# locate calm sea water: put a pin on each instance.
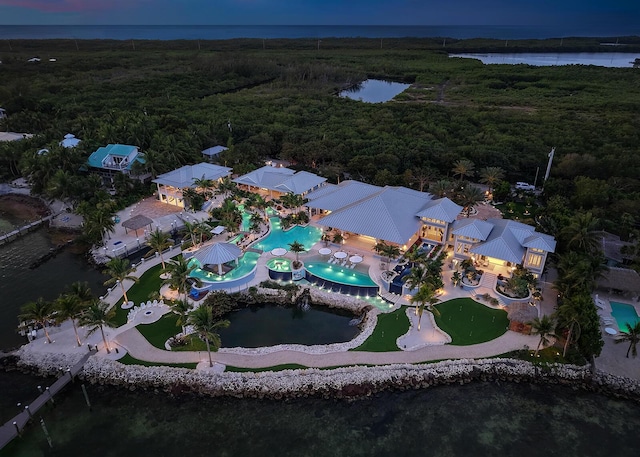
(20, 284)
(609, 59)
(224, 32)
(483, 419)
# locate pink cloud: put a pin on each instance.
(68, 6)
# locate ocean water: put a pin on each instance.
(225, 32)
(479, 419)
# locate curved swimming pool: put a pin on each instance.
(280, 268)
(340, 279)
(279, 238)
(624, 314)
(240, 274)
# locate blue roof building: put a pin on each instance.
(112, 159)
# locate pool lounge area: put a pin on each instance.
(341, 280)
(280, 269)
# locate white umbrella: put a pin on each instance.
(340, 255)
(278, 251)
(324, 251)
(355, 259)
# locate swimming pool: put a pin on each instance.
(280, 268)
(339, 279)
(278, 238)
(624, 314)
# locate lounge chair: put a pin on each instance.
(352, 266)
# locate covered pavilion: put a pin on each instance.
(136, 223)
(218, 254)
(171, 184)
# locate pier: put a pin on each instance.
(20, 231)
(14, 427)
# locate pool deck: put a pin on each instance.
(424, 346)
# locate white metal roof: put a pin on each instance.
(441, 209)
(472, 228)
(218, 253)
(341, 195)
(281, 179)
(214, 151)
(389, 214)
(509, 238)
(184, 176)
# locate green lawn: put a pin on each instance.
(128, 360)
(160, 331)
(390, 327)
(149, 282)
(469, 322)
(519, 211)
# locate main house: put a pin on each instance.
(406, 217)
(113, 159)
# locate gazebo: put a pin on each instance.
(136, 223)
(218, 254)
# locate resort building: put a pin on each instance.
(501, 242)
(213, 152)
(110, 160)
(393, 214)
(277, 181)
(171, 184)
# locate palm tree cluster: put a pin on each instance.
(78, 305)
(425, 277)
(579, 266)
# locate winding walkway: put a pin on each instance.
(137, 346)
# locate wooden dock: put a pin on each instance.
(14, 426)
(20, 231)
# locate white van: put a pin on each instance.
(525, 186)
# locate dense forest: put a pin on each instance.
(277, 98)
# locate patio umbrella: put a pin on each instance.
(340, 255)
(278, 251)
(324, 251)
(355, 259)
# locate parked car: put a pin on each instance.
(525, 186)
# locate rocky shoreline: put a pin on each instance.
(340, 383)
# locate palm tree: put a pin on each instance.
(468, 197)
(416, 277)
(97, 316)
(491, 176)
(192, 230)
(180, 271)
(297, 248)
(119, 270)
(568, 315)
(40, 312)
(226, 187)
(425, 298)
(82, 291)
(182, 309)
(69, 306)
(206, 327)
(463, 168)
(581, 233)
(387, 250)
(441, 188)
(205, 185)
(159, 241)
(544, 327)
(632, 336)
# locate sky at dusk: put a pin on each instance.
(319, 12)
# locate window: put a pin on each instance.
(534, 260)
